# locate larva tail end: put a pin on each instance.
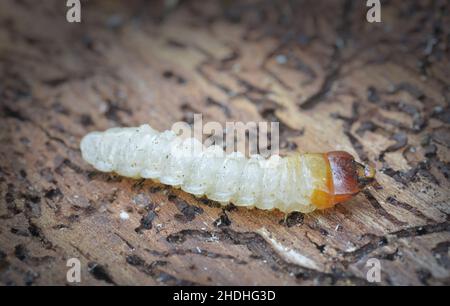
(345, 178)
(88, 147)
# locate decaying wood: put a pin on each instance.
(332, 80)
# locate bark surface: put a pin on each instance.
(332, 80)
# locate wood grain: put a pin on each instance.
(332, 80)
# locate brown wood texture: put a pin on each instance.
(332, 80)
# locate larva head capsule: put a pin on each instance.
(344, 178)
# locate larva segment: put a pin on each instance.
(300, 182)
(249, 191)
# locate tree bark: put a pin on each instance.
(333, 80)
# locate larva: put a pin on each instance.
(299, 182)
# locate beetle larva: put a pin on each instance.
(299, 182)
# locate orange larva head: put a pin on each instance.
(345, 178)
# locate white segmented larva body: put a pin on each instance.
(142, 152)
